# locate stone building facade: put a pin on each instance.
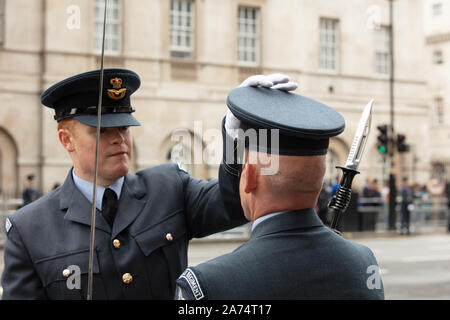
(191, 53)
(437, 40)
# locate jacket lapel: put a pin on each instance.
(130, 203)
(79, 208)
(288, 220)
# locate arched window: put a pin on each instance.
(8, 164)
(332, 162)
(438, 171)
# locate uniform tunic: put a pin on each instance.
(291, 255)
(160, 210)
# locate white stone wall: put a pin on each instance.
(178, 94)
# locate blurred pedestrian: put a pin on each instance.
(334, 187)
(31, 193)
(447, 193)
(385, 192)
(407, 206)
(322, 204)
(367, 188)
(437, 192)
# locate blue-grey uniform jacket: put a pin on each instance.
(160, 210)
(289, 256)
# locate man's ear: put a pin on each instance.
(250, 178)
(66, 139)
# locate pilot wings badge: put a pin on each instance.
(118, 92)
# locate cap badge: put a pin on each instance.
(117, 93)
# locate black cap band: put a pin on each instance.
(93, 110)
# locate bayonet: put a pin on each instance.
(359, 142)
(342, 197)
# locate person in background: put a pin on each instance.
(322, 204)
(31, 193)
(447, 193)
(406, 206)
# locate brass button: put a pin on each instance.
(127, 278)
(66, 273)
(169, 237)
(116, 243)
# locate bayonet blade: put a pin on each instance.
(359, 142)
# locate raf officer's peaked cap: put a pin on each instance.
(77, 97)
(304, 125)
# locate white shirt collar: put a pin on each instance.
(86, 187)
(265, 217)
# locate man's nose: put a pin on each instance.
(117, 136)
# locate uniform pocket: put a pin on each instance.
(65, 275)
(164, 233)
(165, 248)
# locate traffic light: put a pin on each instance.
(401, 144)
(383, 138)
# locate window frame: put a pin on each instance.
(438, 57)
(385, 51)
(244, 36)
(2, 21)
(98, 25)
(436, 9)
(438, 110)
(329, 63)
(182, 31)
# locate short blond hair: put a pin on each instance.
(67, 124)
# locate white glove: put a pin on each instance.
(274, 81)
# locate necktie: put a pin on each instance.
(109, 206)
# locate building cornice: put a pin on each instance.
(437, 38)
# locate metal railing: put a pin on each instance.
(8, 205)
(426, 213)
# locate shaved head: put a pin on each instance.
(296, 184)
(295, 174)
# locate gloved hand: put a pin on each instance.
(274, 81)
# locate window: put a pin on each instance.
(437, 57)
(2, 19)
(329, 44)
(248, 36)
(113, 33)
(382, 51)
(437, 9)
(439, 110)
(182, 28)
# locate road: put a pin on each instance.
(412, 267)
(415, 267)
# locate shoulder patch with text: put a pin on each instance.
(192, 280)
